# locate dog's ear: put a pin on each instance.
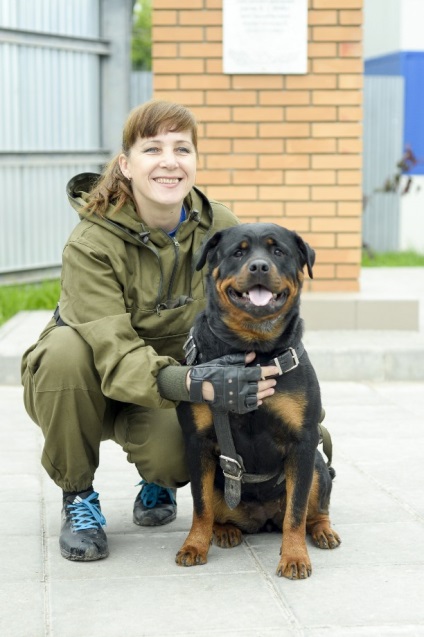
(307, 253)
(209, 245)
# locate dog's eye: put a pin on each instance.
(238, 253)
(278, 252)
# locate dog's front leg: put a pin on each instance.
(202, 472)
(294, 562)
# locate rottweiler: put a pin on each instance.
(254, 281)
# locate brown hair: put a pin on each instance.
(146, 120)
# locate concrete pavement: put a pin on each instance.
(372, 585)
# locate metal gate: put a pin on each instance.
(383, 139)
(58, 100)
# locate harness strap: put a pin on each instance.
(327, 445)
(289, 359)
(232, 464)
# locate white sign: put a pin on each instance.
(265, 36)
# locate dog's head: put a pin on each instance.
(255, 271)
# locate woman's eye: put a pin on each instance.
(152, 149)
(183, 150)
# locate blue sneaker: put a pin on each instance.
(154, 505)
(82, 538)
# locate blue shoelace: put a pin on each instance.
(86, 513)
(152, 494)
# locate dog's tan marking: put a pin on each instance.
(195, 549)
(202, 416)
(318, 523)
(250, 328)
(289, 407)
(294, 562)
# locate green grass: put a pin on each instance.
(30, 296)
(392, 259)
(44, 296)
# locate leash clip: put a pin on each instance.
(295, 361)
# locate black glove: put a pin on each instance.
(235, 386)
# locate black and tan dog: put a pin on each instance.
(254, 283)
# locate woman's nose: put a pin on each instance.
(169, 161)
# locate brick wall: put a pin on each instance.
(279, 148)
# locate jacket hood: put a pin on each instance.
(125, 222)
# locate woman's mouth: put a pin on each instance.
(168, 181)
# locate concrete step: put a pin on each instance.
(337, 355)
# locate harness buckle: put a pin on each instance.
(231, 468)
(295, 362)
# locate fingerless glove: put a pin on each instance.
(235, 386)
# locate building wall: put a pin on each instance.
(278, 148)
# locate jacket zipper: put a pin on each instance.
(175, 268)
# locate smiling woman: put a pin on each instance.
(162, 171)
(110, 364)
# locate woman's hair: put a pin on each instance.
(146, 120)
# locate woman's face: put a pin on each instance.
(162, 170)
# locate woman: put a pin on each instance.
(109, 363)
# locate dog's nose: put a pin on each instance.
(259, 265)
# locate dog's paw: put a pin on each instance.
(227, 536)
(324, 537)
(191, 556)
(299, 568)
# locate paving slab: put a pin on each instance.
(372, 585)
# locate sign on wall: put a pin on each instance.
(265, 36)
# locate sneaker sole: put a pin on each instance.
(73, 557)
(150, 522)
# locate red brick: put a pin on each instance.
(284, 161)
(336, 193)
(284, 130)
(337, 34)
(310, 113)
(201, 18)
(258, 177)
(312, 209)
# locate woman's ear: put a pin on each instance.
(123, 165)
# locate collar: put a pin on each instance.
(286, 361)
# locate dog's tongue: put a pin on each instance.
(259, 295)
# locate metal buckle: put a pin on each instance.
(295, 362)
(229, 465)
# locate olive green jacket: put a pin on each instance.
(132, 293)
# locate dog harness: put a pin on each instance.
(230, 461)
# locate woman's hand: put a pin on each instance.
(265, 386)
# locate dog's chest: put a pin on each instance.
(259, 440)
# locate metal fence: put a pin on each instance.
(57, 112)
(141, 87)
(383, 139)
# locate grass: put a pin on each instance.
(29, 296)
(44, 296)
(392, 259)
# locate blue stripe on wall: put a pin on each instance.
(409, 64)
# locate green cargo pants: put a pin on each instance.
(62, 394)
